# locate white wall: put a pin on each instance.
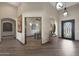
(44, 10)
(73, 13)
(50, 13)
(7, 11)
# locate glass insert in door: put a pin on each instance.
(67, 29)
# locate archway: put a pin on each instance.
(8, 28)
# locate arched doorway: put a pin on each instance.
(8, 28)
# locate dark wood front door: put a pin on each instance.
(68, 29)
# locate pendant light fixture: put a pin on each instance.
(62, 5)
(65, 12)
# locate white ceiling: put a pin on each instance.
(16, 4)
(68, 4)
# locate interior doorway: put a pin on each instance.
(68, 29)
(33, 26)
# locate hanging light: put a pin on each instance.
(59, 5)
(65, 12)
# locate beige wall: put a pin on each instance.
(7, 11)
(73, 13)
(44, 10)
(49, 13)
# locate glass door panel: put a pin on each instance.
(68, 29)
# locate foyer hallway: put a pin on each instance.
(56, 47)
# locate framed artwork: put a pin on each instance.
(20, 23)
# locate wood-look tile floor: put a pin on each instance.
(56, 47)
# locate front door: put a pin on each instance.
(68, 29)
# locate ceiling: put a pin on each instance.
(15, 4)
(68, 4)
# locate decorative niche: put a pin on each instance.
(7, 27)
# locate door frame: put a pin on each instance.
(26, 28)
(73, 29)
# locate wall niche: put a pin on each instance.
(7, 27)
